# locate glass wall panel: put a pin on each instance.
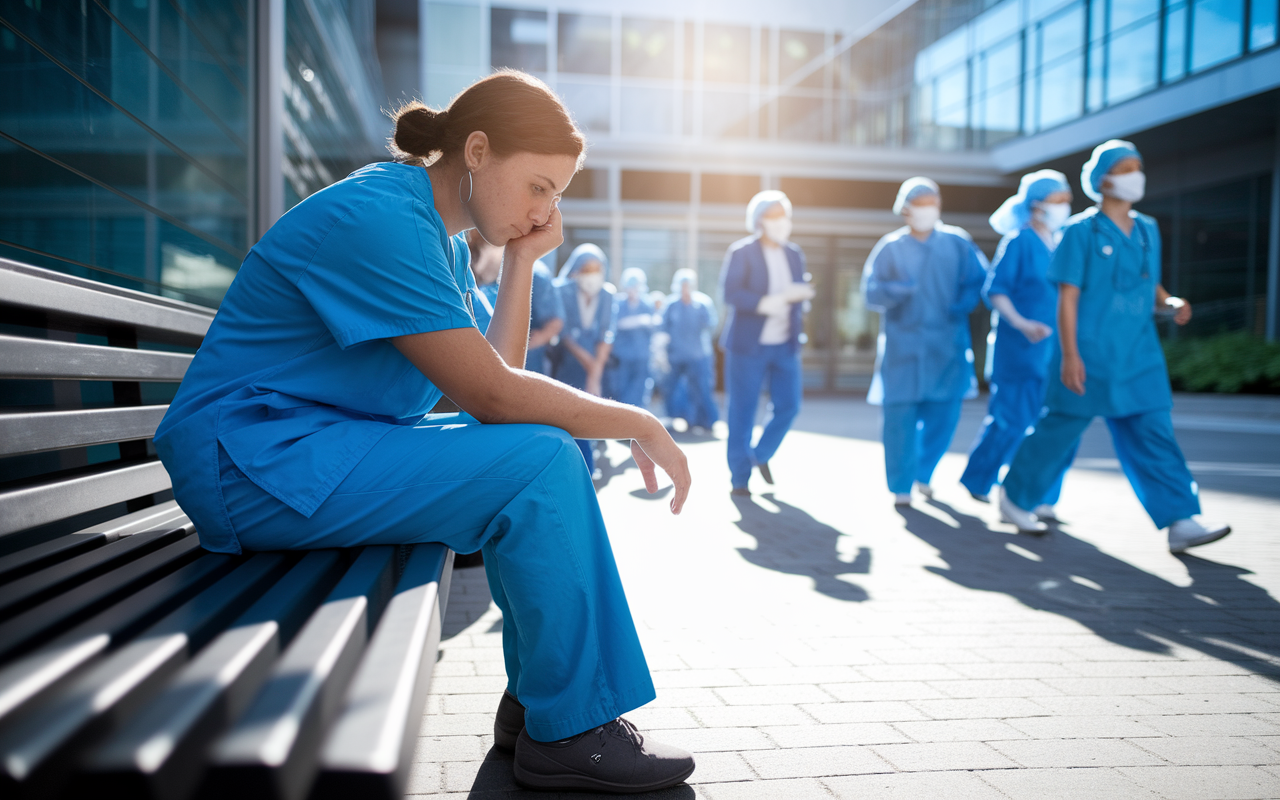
(1217, 32)
(795, 50)
(1127, 12)
(648, 48)
(1097, 68)
(584, 44)
(952, 91)
(454, 52)
(589, 103)
(800, 118)
(518, 39)
(998, 23)
(1062, 35)
(1133, 61)
(1262, 24)
(658, 252)
(648, 111)
(1061, 92)
(726, 54)
(1175, 42)
(725, 114)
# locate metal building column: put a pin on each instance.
(1273, 245)
(268, 20)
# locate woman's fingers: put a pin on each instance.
(646, 466)
(682, 481)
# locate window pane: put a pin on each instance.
(1175, 43)
(725, 114)
(1216, 32)
(1062, 35)
(1127, 12)
(453, 35)
(648, 48)
(589, 103)
(648, 112)
(518, 39)
(999, 113)
(584, 43)
(1095, 77)
(1001, 66)
(1262, 24)
(1132, 69)
(795, 50)
(953, 97)
(658, 252)
(1061, 92)
(726, 54)
(800, 119)
(996, 24)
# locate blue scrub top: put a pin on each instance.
(546, 303)
(924, 292)
(689, 326)
(1125, 373)
(591, 332)
(1020, 270)
(632, 343)
(296, 379)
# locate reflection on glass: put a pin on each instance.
(1127, 12)
(996, 24)
(952, 91)
(584, 43)
(726, 54)
(453, 33)
(1061, 92)
(1096, 70)
(1062, 35)
(801, 119)
(1175, 42)
(1262, 24)
(518, 39)
(795, 50)
(648, 48)
(589, 103)
(1216, 32)
(1132, 68)
(999, 112)
(658, 252)
(725, 114)
(648, 111)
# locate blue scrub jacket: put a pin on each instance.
(1125, 372)
(632, 344)
(924, 292)
(689, 326)
(587, 333)
(296, 380)
(1020, 271)
(744, 280)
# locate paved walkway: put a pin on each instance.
(814, 642)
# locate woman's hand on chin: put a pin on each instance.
(536, 243)
(660, 450)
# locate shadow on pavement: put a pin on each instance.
(793, 542)
(494, 780)
(1219, 614)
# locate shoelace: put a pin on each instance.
(623, 729)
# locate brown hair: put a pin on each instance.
(518, 112)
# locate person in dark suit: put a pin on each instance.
(766, 290)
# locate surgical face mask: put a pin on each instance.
(591, 283)
(777, 229)
(923, 218)
(1053, 215)
(1129, 187)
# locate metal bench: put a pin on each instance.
(132, 662)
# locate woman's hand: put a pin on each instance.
(1073, 373)
(1034, 331)
(661, 450)
(1182, 310)
(537, 242)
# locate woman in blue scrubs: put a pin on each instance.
(1109, 362)
(302, 421)
(689, 320)
(635, 320)
(546, 318)
(765, 288)
(587, 337)
(1026, 306)
(924, 279)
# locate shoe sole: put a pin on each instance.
(1185, 547)
(585, 783)
(504, 739)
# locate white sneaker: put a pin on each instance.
(1192, 532)
(902, 499)
(1025, 521)
(925, 489)
(1045, 513)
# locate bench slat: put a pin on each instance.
(41, 431)
(45, 359)
(160, 753)
(272, 751)
(58, 498)
(54, 293)
(34, 752)
(370, 748)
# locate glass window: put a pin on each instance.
(1131, 69)
(1061, 92)
(518, 39)
(795, 50)
(1175, 42)
(1216, 30)
(453, 36)
(1262, 24)
(648, 48)
(953, 96)
(996, 24)
(726, 54)
(1062, 35)
(1127, 12)
(584, 43)
(648, 111)
(998, 113)
(658, 252)
(725, 114)
(800, 119)
(589, 103)
(1039, 9)
(1096, 71)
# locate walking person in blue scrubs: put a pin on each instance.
(1026, 308)
(587, 337)
(635, 320)
(1109, 362)
(302, 421)
(689, 320)
(764, 285)
(924, 279)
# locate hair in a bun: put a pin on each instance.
(518, 112)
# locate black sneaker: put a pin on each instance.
(613, 758)
(508, 723)
(763, 466)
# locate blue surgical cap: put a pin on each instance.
(683, 276)
(912, 189)
(1105, 157)
(762, 202)
(634, 277)
(580, 256)
(1015, 213)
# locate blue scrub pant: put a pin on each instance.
(1013, 410)
(571, 372)
(1145, 445)
(520, 494)
(631, 382)
(696, 402)
(746, 376)
(916, 437)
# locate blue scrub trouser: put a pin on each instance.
(697, 402)
(746, 376)
(520, 494)
(630, 382)
(1014, 409)
(916, 436)
(1145, 445)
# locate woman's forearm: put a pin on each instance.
(543, 336)
(509, 330)
(603, 349)
(1002, 303)
(1068, 309)
(579, 352)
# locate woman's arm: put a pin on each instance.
(1181, 308)
(1068, 311)
(1030, 328)
(470, 372)
(543, 336)
(595, 371)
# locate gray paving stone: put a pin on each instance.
(1209, 750)
(773, 676)
(984, 708)
(1097, 706)
(908, 672)
(955, 785)
(457, 725)
(1108, 687)
(651, 717)
(834, 734)
(810, 762)
(995, 688)
(1076, 753)
(721, 768)
(1213, 704)
(750, 716)
(713, 740)
(959, 730)
(1066, 784)
(766, 790)
(1195, 783)
(1013, 669)
(933, 756)
(871, 711)
(699, 678)
(685, 697)
(882, 690)
(1086, 727)
(486, 703)
(449, 748)
(926, 656)
(762, 695)
(1223, 684)
(1210, 725)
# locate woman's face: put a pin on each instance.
(591, 267)
(513, 194)
(1123, 167)
(1057, 197)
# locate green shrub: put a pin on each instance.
(1226, 362)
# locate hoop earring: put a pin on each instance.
(471, 185)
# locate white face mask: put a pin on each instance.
(591, 283)
(923, 218)
(1129, 187)
(1053, 215)
(777, 229)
